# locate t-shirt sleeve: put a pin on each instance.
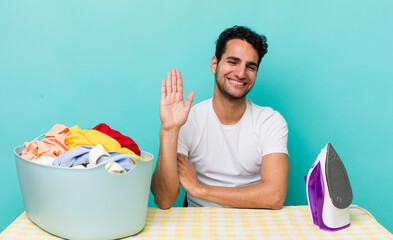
(275, 135)
(185, 138)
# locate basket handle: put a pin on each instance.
(118, 157)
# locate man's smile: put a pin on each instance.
(236, 83)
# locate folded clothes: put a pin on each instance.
(52, 145)
(114, 167)
(78, 137)
(125, 163)
(73, 157)
(44, 160)
(90, 156)
(123, 140)
(95, 153)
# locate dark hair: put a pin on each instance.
(244, 33)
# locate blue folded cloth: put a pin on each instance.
(80, 155)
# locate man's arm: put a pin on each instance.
(270, 193)
(173, 114)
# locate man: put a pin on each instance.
(226, 151)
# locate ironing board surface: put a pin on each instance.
(292, 222)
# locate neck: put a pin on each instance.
(228, 111)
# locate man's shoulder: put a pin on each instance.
(260, 109)
(264, 113)
(201, 106)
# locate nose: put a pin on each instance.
(240, 71)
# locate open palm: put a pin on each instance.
(173, 111)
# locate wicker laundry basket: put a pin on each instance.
(86, 203)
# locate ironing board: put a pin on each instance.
(292, 222)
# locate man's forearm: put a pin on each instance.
(165, 182)
(261, 195)
(270, 193)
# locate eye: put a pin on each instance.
(252, 68)
(232, 62)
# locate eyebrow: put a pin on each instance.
(238, 59)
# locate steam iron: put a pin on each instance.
(329, 192)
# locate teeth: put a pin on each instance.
(237, 83)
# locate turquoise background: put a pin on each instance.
(329, 72)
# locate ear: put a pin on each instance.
(213, 64)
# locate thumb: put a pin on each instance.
(189, 99)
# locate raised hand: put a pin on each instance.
(173, 111)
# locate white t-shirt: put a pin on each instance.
(230, 155)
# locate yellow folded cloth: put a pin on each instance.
(91, 137)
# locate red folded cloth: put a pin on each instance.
(124, 141)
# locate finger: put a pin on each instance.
(188, 164)
(184, 165)
(189, 99)
(180, 162)
(183, 162)
(179, 83)
(174, 79)
(163, 89)
(180, 167)
(168, 83)
(181, 156)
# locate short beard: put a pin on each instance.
(225, 92)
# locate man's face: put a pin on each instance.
(236, 72)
